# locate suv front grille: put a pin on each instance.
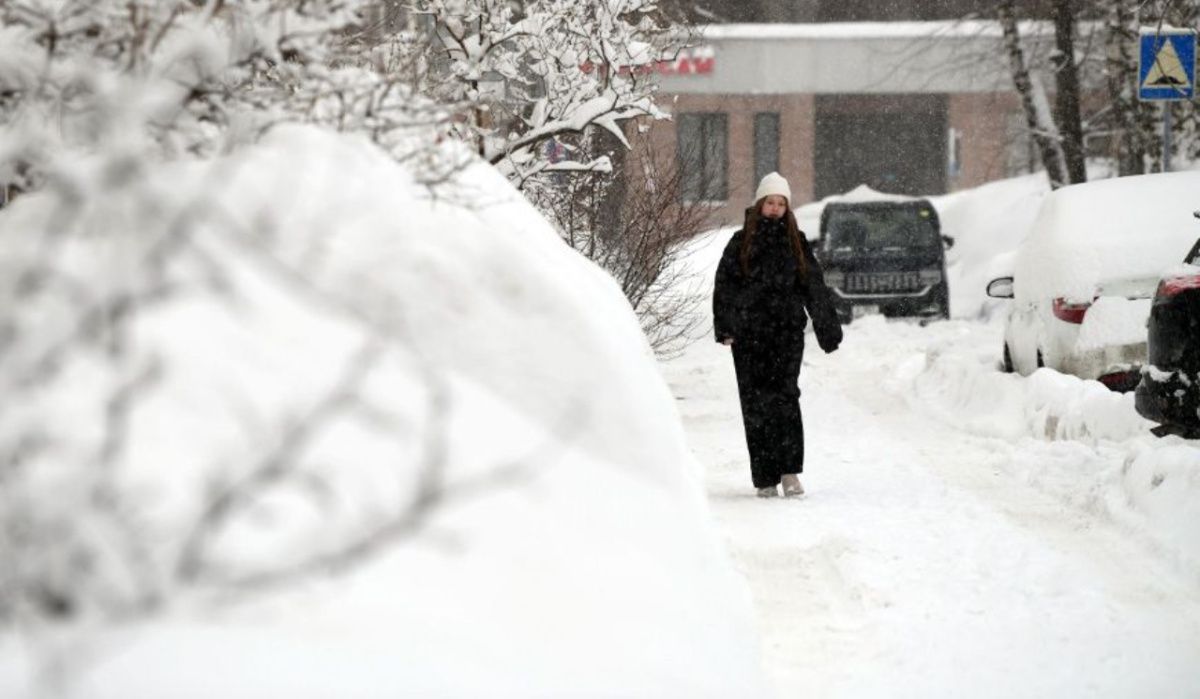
(884, 283)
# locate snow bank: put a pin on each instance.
(440, 354)
(965, 389)
(1081, 442)
(987, 223)
(1163, 483)
(473, 278)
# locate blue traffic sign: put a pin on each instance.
(1167, 64)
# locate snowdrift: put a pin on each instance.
(432, 368)
(1092, 448)
(987, 223)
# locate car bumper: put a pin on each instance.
(929, 302)
(1169, 397)
(1104, 361)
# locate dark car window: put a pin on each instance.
(891, 227)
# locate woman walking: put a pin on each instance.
(767, 286)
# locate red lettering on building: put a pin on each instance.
(698, 61)
(704, 65)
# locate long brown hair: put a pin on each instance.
(753, 216)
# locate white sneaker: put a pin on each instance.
(772, 492)
(791, 486)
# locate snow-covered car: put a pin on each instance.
(1169, 392)
(1084, 277)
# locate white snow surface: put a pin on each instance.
(965, 532)
(475, 280)
(1124, 228)
(1113, 321)
(1181, 270)
(575, 555)
(987, 223)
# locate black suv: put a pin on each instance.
(1169, 392)
(885, 257)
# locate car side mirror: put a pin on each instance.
(947, 241)
(1001, 288)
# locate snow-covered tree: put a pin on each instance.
(637, 228)
(543, 89)
(172, 77)
(1038, 116)
(1136, 126)
(527, 73)
(1066, 119)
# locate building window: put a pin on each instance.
(954, 154)
(701, 149)
(766, 146)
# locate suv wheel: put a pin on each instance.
(1008, 365)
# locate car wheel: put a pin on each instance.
(1040, 362)
(1008, 365)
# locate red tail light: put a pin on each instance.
(1069, 311)
(1121, 381)
(1175, 285)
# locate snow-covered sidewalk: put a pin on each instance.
(935, 558)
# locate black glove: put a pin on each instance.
(830, 340)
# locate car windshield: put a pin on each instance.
(881, 228)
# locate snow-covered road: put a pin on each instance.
(933, 560)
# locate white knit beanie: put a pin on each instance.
(773, 183)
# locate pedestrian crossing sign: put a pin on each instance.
(1167, 64)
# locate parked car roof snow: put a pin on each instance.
(1096, 233)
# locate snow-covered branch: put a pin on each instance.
(575, 64)
(172, 77)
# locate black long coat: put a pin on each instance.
(765, 310)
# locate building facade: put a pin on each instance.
(732, 11)
(904, 107)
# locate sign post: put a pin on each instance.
(1166, 73)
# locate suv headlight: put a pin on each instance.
(931, 276)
